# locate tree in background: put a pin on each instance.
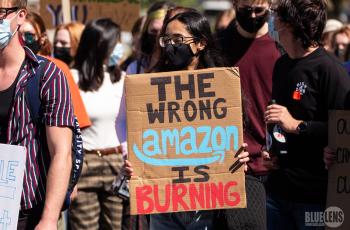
(187, 3)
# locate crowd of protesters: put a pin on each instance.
(286, 50)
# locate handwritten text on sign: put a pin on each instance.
(123, 12)
(183, 130)
(338, 174)
(12, 161)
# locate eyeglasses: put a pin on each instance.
(174, 40)
(249, 10)
(6, 11)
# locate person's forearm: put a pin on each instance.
(57, 184)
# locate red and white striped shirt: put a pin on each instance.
(57, 111)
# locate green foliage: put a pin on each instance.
(187, 3)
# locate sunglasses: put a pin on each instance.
(249, 10)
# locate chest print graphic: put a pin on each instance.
(299, 91)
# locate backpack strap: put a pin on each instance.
(33, 91)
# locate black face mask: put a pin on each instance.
(63, 53)
(249, 24)
(148, 42)
(34, 46)
(180, 56)
(340, 53)
(31, 43)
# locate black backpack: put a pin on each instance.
(34, 104)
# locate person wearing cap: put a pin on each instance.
(340, 42)
(332, 25)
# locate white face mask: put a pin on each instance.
(5, 32)
(116, 55)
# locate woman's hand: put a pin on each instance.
(328, 157)
(244, 157)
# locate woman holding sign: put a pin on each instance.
(187, 44)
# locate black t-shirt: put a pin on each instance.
(6, 100)
(308, 87)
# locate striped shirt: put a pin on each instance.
(57, 111)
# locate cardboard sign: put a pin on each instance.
(123, 12)
(339, 174)
(184, 129)
(12, 163)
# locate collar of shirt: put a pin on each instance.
(27, 70)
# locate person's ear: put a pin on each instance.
(21, 16)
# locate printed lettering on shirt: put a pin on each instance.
(299, 91)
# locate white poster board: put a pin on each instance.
(12, 163)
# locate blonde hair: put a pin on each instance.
(19, 3)
(344, 30)
(75, 29)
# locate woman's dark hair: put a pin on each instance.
(96, 44)
(177, 10)
(306, 17)
(198, 26)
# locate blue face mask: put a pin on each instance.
(116, 55)
(5, 32)
(272, 31)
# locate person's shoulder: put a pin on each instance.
(52, 67)
(132, 67)
(231, 28)
(52, 64)
(60, 64)
(329, 60)
(325, 64)
(225, 35)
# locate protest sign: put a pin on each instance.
(184, 130)
(12, 163)
(123, 12)
(338, 201)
